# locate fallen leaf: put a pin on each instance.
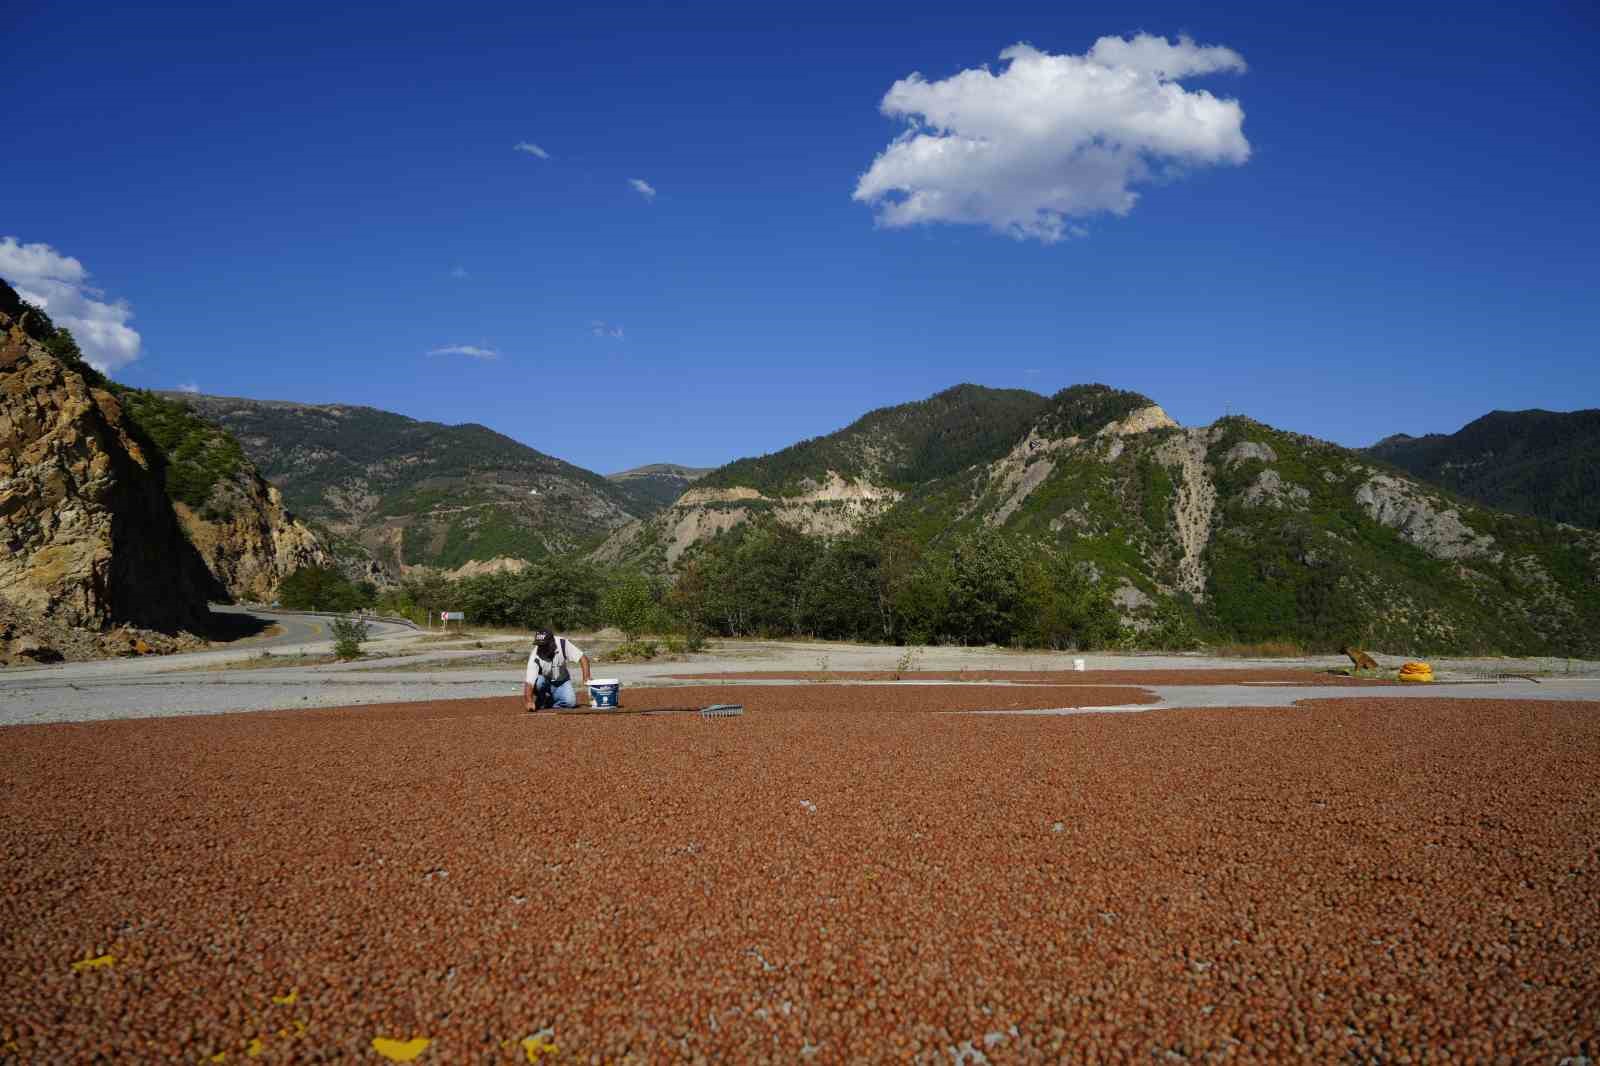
(400, 1050)
(99, 962)
(255, 1047)
(287, 1001)
(535, 1046)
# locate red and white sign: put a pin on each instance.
(452, 616)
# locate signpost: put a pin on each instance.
(446, 617)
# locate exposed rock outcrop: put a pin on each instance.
(827, 508)
(1194, 506)
(1418, 518)
(1270, 490)
(250, 543)
(89, 538)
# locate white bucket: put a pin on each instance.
(604, 691)
(1078, 664)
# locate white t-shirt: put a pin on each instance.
(574, 653)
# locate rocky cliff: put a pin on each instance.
(236, 520)
(251, 547)
(90, 539)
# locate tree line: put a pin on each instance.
(764, 579)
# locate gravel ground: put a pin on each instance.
(839, 875)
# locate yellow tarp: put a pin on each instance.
(1415, 671)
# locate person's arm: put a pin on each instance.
(527, 696)
(583, 664)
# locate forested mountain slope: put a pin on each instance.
(1540, 463)
(420, 493)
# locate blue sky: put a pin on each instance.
(302, 203)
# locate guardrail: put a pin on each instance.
(391, 619)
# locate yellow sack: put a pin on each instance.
(1415, 671)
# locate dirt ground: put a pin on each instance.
(830, 878)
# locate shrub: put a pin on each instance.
(348, 636)
(634, 651)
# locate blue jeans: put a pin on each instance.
(565, 694)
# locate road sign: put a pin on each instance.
(452, 616)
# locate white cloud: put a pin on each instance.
(59, 284)
(1051, 138)
(1159, 56)
(531, 149)
(189, 387)
(472, 351)
(606, 329)
(643, 188)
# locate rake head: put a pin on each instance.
(722, 710)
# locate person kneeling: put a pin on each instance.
(548, 683)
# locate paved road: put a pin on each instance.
(200, 683)
(297, 629)
(180, 684)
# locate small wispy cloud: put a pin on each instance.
(606, 329)
(190, 387)
(531, 149)
(459, 272)
(471, 351)
(643, 188)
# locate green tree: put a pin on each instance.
(986, 581)
(629, 602)
(839, 595)
(1063, 607)
(321, 588)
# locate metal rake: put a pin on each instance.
(716, 710)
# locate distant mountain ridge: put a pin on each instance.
(834, 483)
(412, 493)
(658, 484)
(1540, 463)
(1237, 529)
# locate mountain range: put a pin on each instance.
(1248, 531)
(1465, 540)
